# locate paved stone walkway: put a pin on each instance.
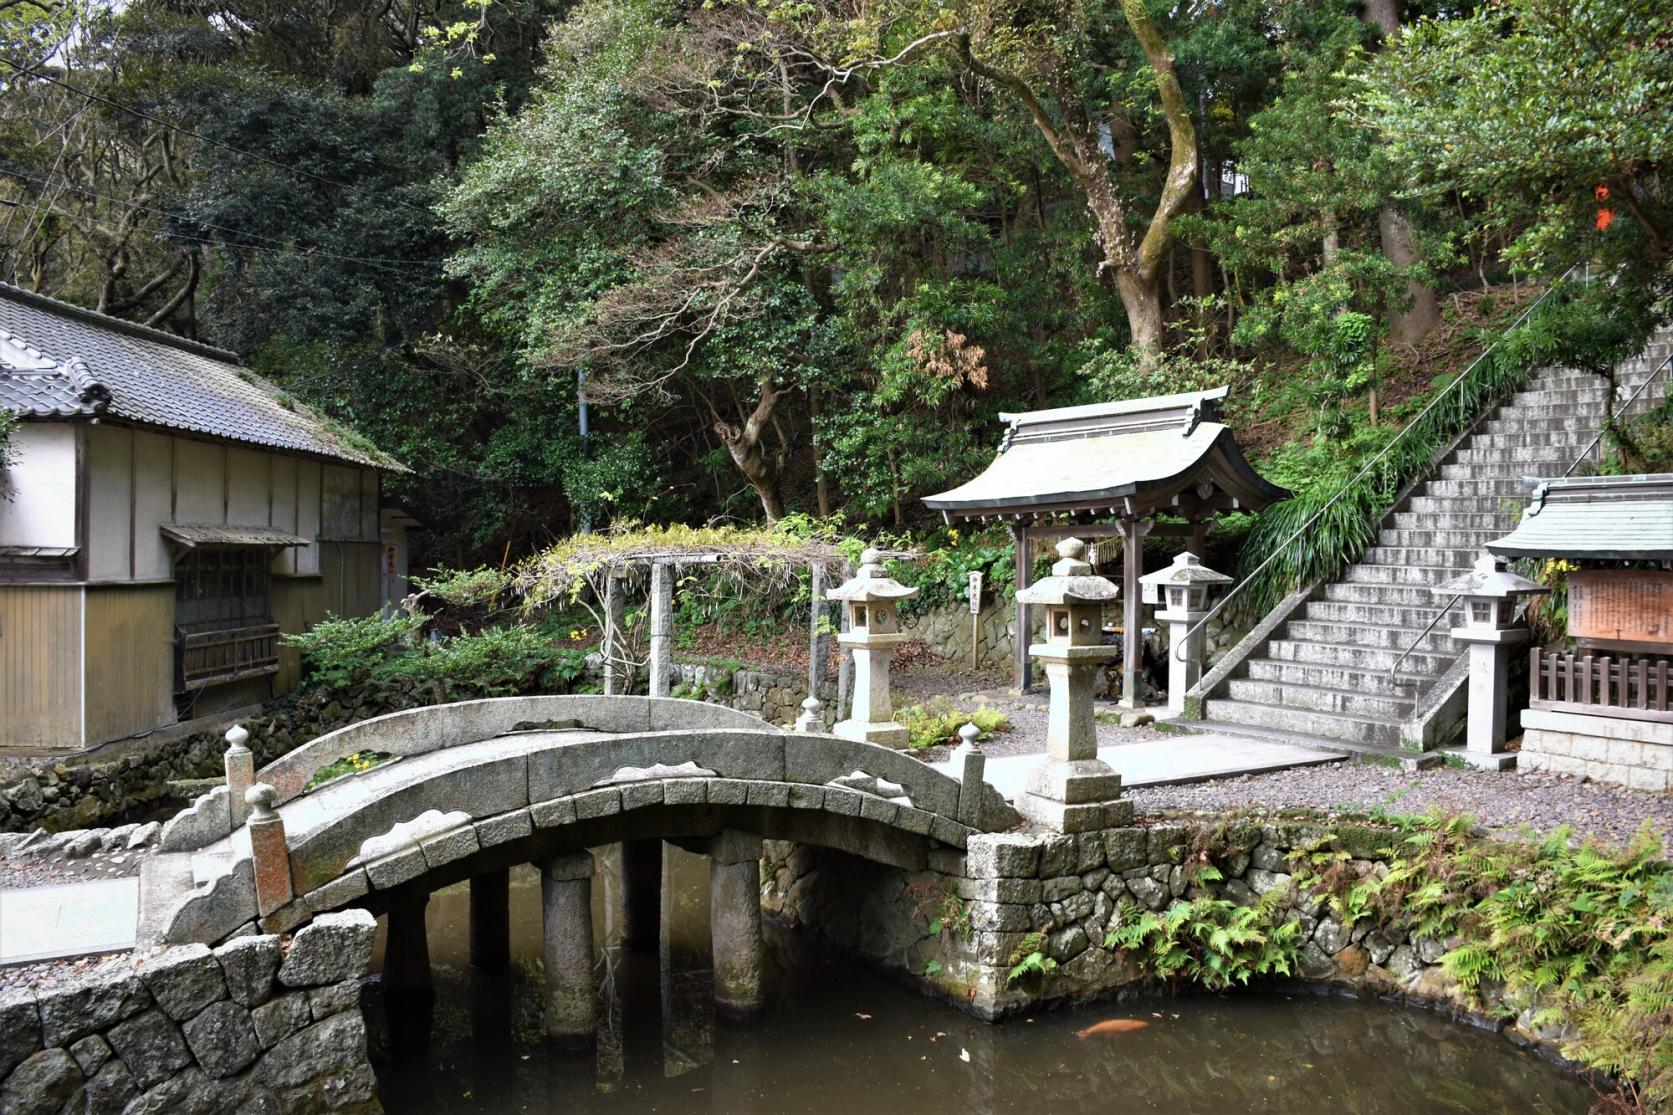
(1168, 760)
(68, 919)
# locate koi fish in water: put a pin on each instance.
(1111, 1026)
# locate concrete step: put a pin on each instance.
(1372, 683)
(1438, 641)
(1495, 517)
(1524, 438)
(1444, 557)
(1384, 595)
(1577, 430)
(1368, 573)
(1348, 748)
(1414, 617)
(1536, 456)
(1318, 699)
(1467, 486)
(1426, 508)
(1419, 662)
(1325, 725)
(1472, 537)
(1511, 471)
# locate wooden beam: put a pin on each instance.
(1025, 577)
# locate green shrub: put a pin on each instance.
(498, 662)
(341, 653)
(1211, 941)
(939, 721)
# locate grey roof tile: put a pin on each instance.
(57, 360)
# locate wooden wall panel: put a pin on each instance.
(248, 491)
(352, 585)
(298, 603)
(129, 660)
(110, 495)
(153, 487)
(40, 666)
(200, 482)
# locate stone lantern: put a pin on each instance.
(1491, 628)
(872, 600)
(1072, 790)
(1182, 590)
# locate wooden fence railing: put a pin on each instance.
(1599, 685)
(230, 654)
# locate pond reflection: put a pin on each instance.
(838, 1038)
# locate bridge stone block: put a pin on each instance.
(948, 832)
(573, 768)
(551, 814)
(213, 909)
(637, 795)
(348, 887)
(598, 803)
(819, 759)
(773, 794)
(493, 831)
(446, 847)
(397, 868)
(842, 801)
(803, 796)
(685, 716)
(727, 791)
(915, 820)
(685, 791)
(285, 918)
(877, 809)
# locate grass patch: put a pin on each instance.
(348, 764)
(938, 722)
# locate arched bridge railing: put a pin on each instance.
(481, 774)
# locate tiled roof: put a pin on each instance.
(1595, 517)
(57, 360)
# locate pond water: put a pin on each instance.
(838, 1038)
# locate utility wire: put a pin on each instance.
(272, 244)
(99, 98)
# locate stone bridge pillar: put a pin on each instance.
(406, 949)
(567, 924)
(735, 920)
(490, 919)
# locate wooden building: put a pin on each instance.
(1602, 705)
(164, 515)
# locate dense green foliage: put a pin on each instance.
(801, 256)
(381, 660)
(937, 723)
(1210, 941)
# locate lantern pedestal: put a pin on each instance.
(1073, 790)
(871, 716)
(1182, 589)
(1484, 731)
(1491, 627)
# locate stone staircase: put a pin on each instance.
(1323, 675)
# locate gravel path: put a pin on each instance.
(1500, 802)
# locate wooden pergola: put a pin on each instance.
(1108, 470)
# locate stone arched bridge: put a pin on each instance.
(478, 786)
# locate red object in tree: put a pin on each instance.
(1601, 193)
(1605, 218)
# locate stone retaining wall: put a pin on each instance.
(1014, 893)
(258, 1024)
(1635, 753)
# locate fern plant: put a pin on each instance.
(1211, 941)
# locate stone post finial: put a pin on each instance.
(968, 736)
(810, 720)
(971, 764)
(260, 798)
(1072, 549)
(240, 767)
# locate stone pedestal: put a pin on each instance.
(641, 894)
(1185, 654)
(1073, 790)
(735, 920)
(567, 926)
(871, 719)
(1489, 700)
(240, 765)
(490, 918)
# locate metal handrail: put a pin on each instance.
(1392, 670)
(1180, 652)
(1616, 417)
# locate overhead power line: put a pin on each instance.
(99, 98)
(271, 244)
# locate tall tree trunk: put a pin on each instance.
(744, 444)
(821, 482)
(1143, 302)
(1420, 319)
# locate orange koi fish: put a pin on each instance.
(1111, 1026)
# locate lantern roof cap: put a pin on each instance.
(1490, 578)
(870, 582)
(1187, 569)
(1072, 580)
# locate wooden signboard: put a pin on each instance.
(1629, 609)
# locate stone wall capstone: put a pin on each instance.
(260, 1023)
